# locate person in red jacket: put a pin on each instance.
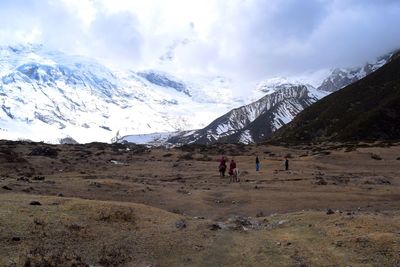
(232, 166)
(233, 172)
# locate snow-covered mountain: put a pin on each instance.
(283, 99)
(48, 95)
(341, 77)
(256, 121)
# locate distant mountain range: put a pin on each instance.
(283, 100)
(47, 96)
(50, 96)
(366, 110)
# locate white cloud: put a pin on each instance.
(247, 40)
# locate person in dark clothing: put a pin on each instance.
(286, 164)
(257, 164)
(222, 166)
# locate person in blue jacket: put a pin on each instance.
(257, 164)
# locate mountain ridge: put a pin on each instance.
(366, 110)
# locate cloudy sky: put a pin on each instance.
(248, 40)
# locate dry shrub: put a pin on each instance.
(115, 256)
(52, 258)
(205, 158)
(186, 156)
(117, 214)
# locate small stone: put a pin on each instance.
(180, 224)
(215, 227)
(39, 178)
(338, 243)
(282, 222)
(329, 211)
(35, 203)
(60, 194)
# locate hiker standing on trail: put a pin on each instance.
(286, 164)
(257, 164)
(232, 166)
(222, 166)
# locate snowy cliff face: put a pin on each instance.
(257, 120)
(47, 95)
(339, 78)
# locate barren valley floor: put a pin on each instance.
(127, 205)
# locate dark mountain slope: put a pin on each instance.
(368, 109)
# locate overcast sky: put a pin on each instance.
(248, 40)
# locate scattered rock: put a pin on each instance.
(183, 191)
(15, 238)
(39, 178)
(375, 157)
(35, 203)
(6, 187)
(214, 227)
(75, 227)
(60, 194)
(321, 181)
(282, 222)
(24, 179)
(329, 211)
(338, 243)
(116, 162)
(180, 224)
(380, 181)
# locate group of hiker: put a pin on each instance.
(222, 166)
(232, 166)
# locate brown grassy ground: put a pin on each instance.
(106, 205)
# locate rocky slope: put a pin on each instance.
(256, 121)
(366, 110)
